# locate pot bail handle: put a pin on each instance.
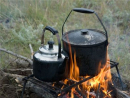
(88, 11)
(83, 10)
(54, 32)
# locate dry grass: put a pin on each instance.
(21, 23)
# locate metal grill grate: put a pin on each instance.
(55, 87)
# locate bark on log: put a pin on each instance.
(17, 55)
(42, 92)
(31, 86)
(21, 71)
(122, 94)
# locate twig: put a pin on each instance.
(31, 49)
(97, 94)
(17, 55)
(92, 94)
(77, 94)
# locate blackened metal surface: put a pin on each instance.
(84, 37)
(90, 60)
(49, 71)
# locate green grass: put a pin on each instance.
(27, 18)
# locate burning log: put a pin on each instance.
(97, 94)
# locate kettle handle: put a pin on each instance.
(88, 11)
(54, 32)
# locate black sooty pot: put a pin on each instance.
(90, 46)
(49, 62)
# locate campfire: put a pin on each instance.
(81, 69)
(92, 86)
(88, 57)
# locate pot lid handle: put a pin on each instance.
(88, 11)
(54, 32)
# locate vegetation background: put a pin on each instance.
(22, 21)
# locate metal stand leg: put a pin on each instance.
(119, 77)
(70, 94)
(25, 81)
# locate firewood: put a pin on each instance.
(21, 71)
(17, 55)
(31, 49)
(31, 86)
(42, 92)
(122, 94)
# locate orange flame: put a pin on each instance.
(103, 78)
(74, 70)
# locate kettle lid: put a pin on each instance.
(49, 49)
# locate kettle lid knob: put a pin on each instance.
(50, 43)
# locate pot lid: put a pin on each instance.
(84, 37)
(49, 49)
